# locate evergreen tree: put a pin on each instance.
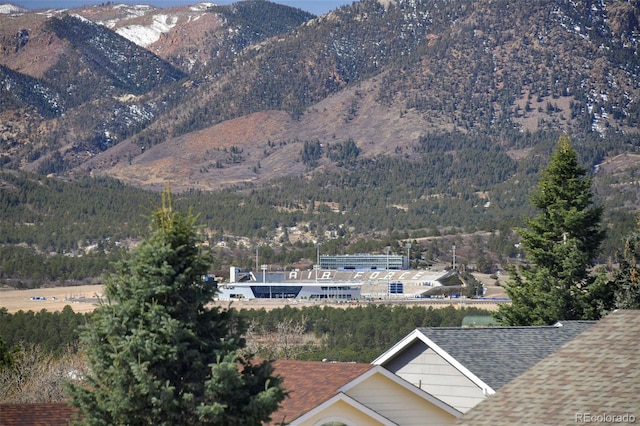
(158, 354)
(6, 354)
(560, 242)
(626, 280)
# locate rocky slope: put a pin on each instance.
(242, 98)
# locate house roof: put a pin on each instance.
(312, 386)
(42, 414)
(310, 383)
(375, 411)
(403, 383)
(595, 375)
(493, 356)
(372, 414)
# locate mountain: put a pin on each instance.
(10, 8)
(378, 123)
(137, 79)
(112, 87)
(409, 107)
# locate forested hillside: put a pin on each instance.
(56, 231)
(421, 120)
(108, 87)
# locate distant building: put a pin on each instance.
(345, 284)
(363, 261)
(246, 285)
(308, 291)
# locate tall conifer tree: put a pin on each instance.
(158, 353)
(560, 243)
(626, 280)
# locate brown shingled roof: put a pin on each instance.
(51, 414)
(310, 383)
(594, 378)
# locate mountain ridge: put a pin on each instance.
(385, 75)
(378, 124)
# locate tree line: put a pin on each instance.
(54, 230)
(356, 334)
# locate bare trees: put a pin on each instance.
(287, 339)
(38, 376)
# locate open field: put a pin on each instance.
(80, 298)
(84, 299)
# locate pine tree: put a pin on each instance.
(560, 243)
(159, 354)
(7, 354)
(626, 280)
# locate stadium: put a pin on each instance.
(331, 284)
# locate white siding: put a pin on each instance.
(424, 368)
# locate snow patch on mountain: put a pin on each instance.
(138, 7)
(10, 8)
(162, 21)
(201, 7)
(144, 35)
(131, 12)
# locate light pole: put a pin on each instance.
(257, 249)
(408, 247)
(388, 283)
(264, 278)
(454, 257)
(386, 249)
(317, 260)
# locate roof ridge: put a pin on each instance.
(502, 327)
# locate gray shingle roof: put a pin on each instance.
(497, 355)
(595, 374)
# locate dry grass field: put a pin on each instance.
(80, 298)
(85, 298)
